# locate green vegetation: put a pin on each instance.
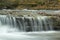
(9, 4)
(34, 4)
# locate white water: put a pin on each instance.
(48, 35)
(12, 28)
(9, 23)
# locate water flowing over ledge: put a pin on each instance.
(10, 24)
(27, 28)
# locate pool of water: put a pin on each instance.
(50, 35)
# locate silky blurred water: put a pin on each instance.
(8, 30)
(48, 35)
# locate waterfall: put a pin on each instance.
(40, 23)
(9, 23)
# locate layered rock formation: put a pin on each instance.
(23, 13)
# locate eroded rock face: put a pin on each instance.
(56, 22)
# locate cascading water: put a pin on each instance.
(40, 23)
(26, 28)
(11, 24)
(7, 23)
